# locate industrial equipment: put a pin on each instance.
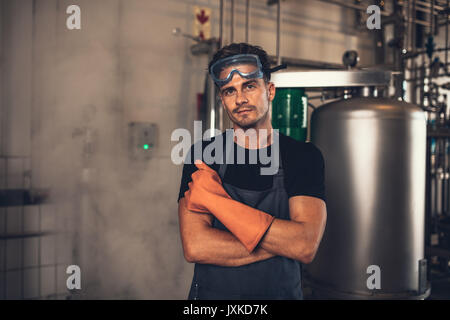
(374, 152)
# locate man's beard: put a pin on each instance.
(243, 123)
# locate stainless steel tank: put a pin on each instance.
(375, 152)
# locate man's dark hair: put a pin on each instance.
(244, 48)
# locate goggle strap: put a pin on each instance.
(275, 69)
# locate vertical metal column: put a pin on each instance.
(247, 18)
(221, 24)
(232, 21)
(278, 31)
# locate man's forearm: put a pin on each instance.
(221, 248)
(204, 244)
(290, 239)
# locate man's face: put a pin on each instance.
(246, 100)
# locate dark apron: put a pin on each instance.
(274, 278)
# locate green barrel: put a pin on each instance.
(290, 112)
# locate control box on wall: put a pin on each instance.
(142, 137)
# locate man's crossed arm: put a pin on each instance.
(297, 238)
(202, 243)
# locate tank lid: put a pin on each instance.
(362, 107)
(327, 79)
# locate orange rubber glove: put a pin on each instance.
(207, 195)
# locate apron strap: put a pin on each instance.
(278, 179)
(222, 170)
(229, 152)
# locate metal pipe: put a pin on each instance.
(278, 31)
(247, 18)
(432, 17)
(212, 106)
(409, 24)
(425, 8)
(399, 32)
(446, 38)
(430, 74)
(221, 24)
(232, 22)
(351, 6)
(383, 13)
(416, 53)
(423, 23)
(413, 28)
(440, 75)
(303, 63)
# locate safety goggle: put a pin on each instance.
(240, 63)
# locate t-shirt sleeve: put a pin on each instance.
(306, 173)
(189, 164)
(188, 169)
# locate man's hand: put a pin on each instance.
(298, 238)
(207, 195)
(202, 243)
(206, 185)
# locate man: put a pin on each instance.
(248, 233)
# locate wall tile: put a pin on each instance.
(13, 285)
(61, 285)
(2, 285)
(3, 220)
(48, 222)
(31, 218)
(2, 256)
(13, 253)
(14, 173)
(31, 283)
(64, 249)
(48, 246)
(14, 220)
(2, 173)
(48, 282)
(31, 252)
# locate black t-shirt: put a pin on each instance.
(302, 163)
